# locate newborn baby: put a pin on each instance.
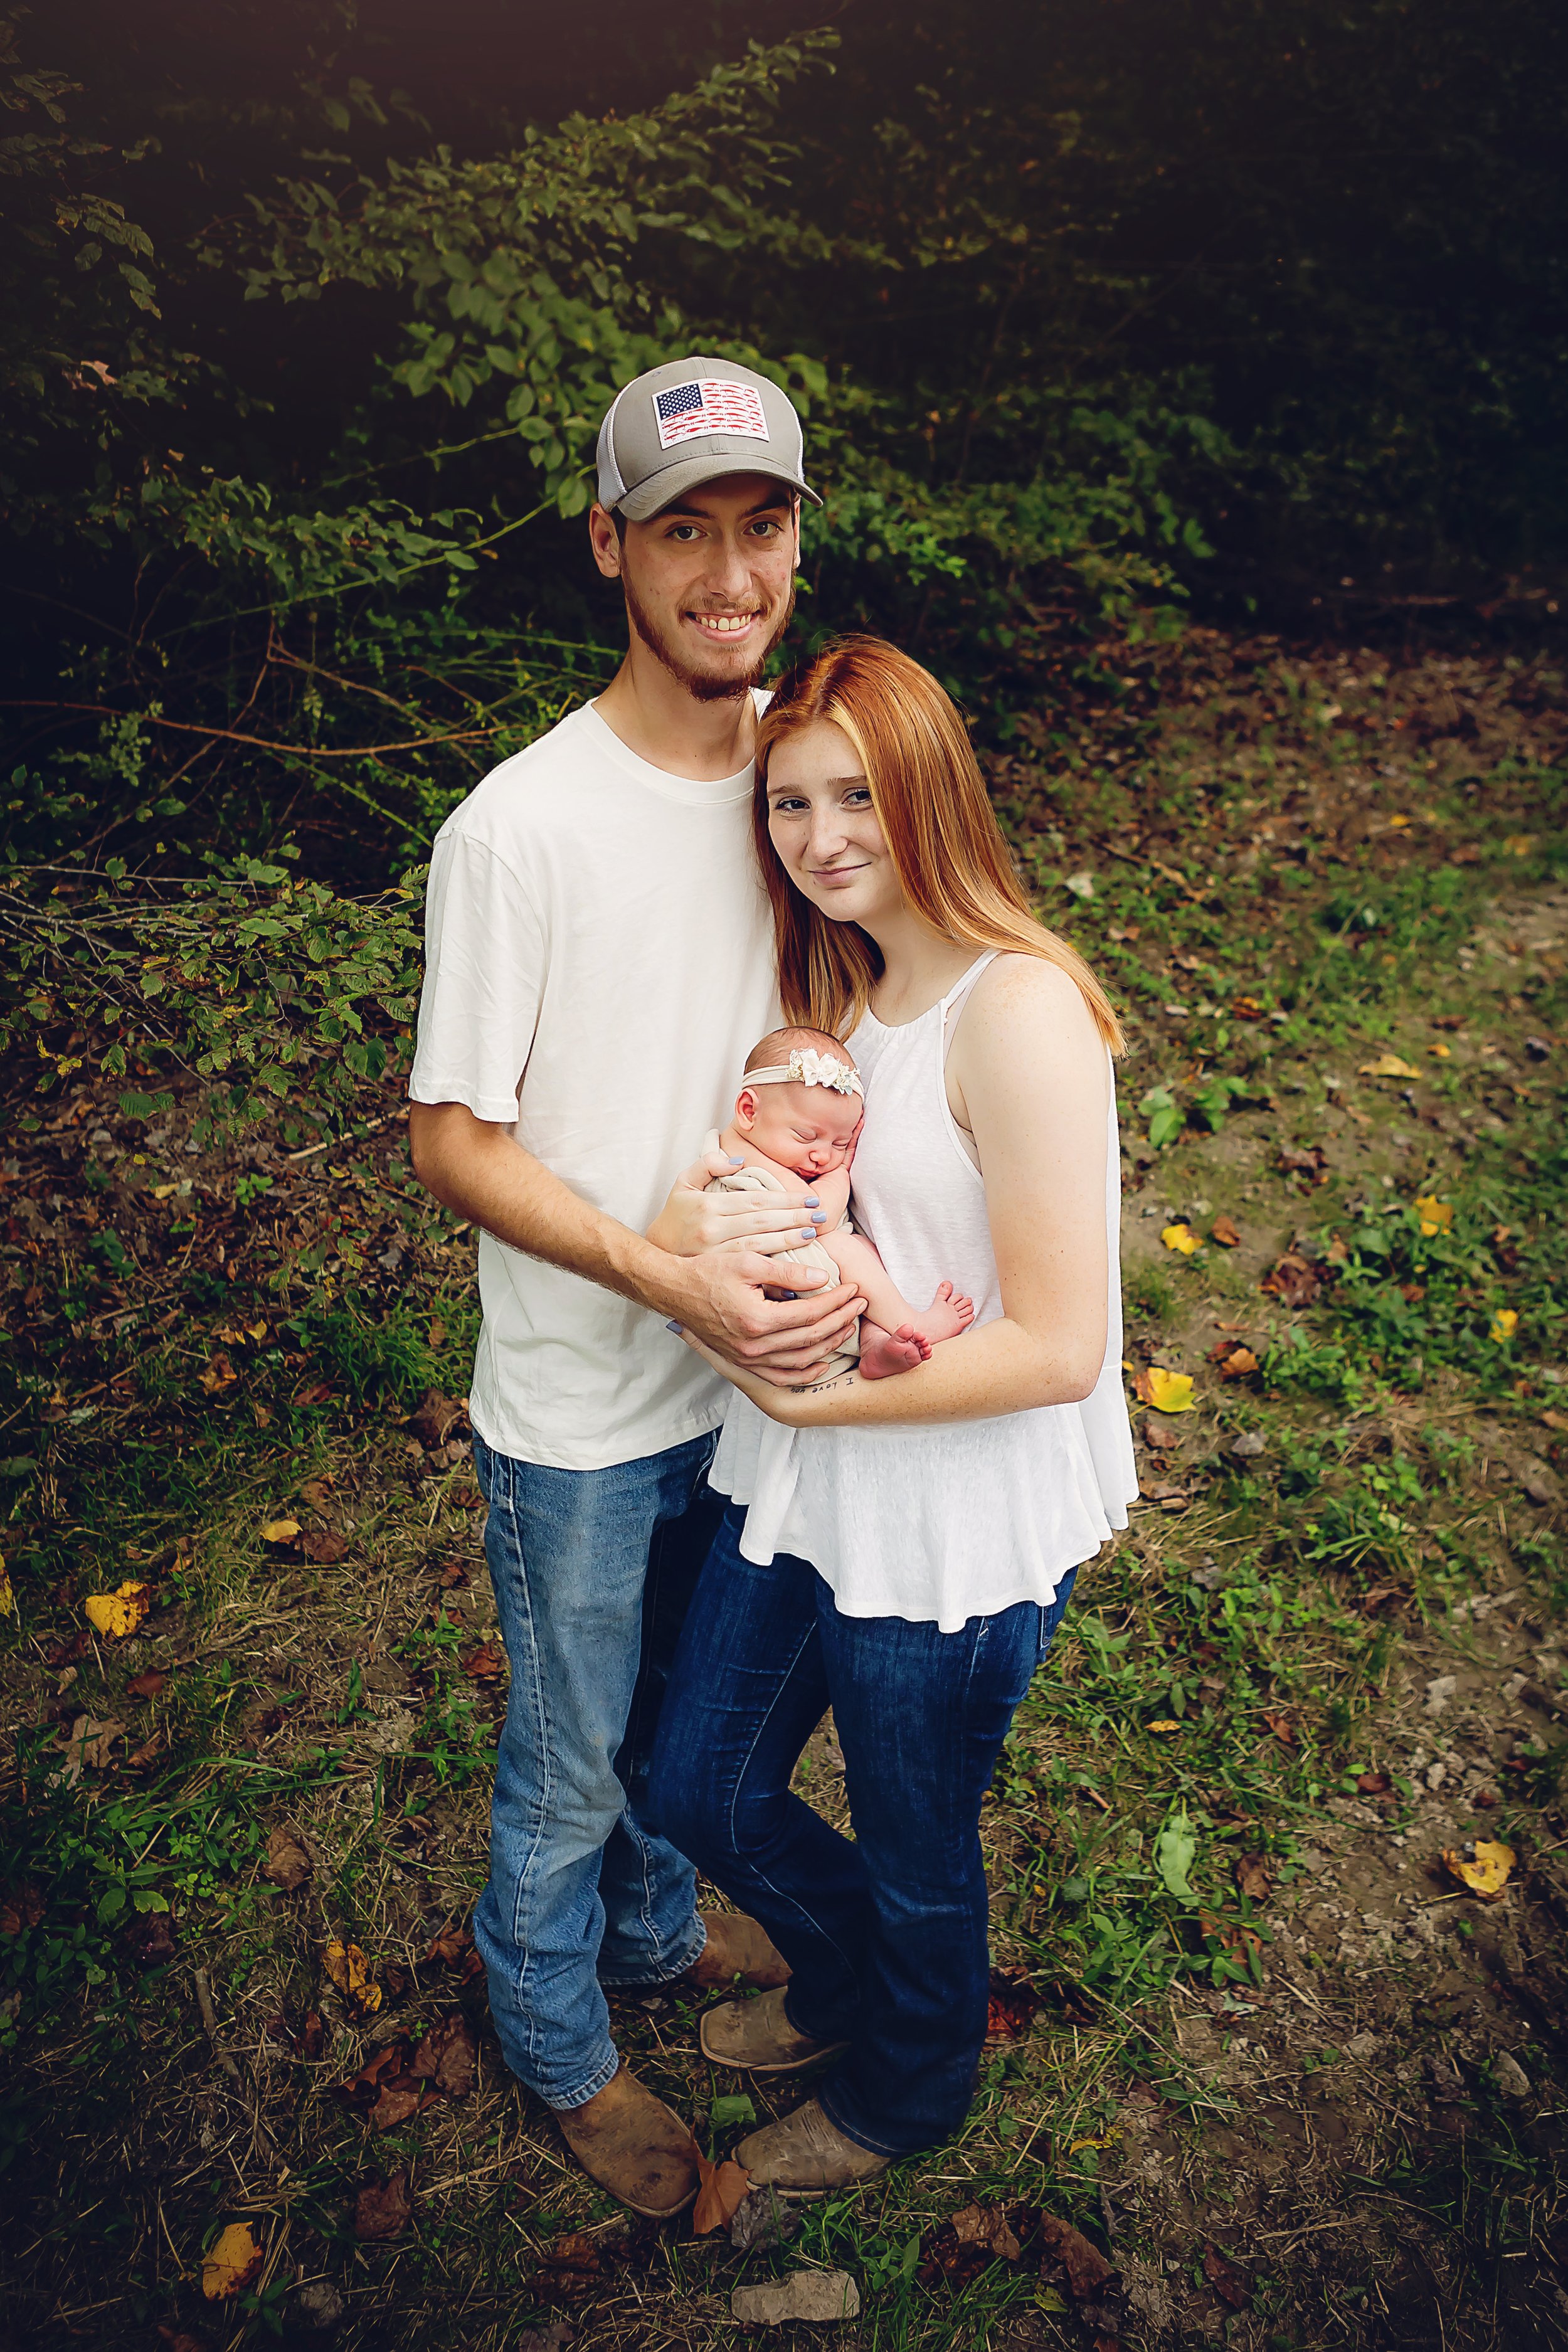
(796, 1116)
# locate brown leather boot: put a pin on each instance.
(737, 1951)
(757, 2035)
(805, 2155)
(634, 2146)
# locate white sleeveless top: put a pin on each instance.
(948, 1520)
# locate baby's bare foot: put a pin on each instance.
(949, 1313)
(885, 1353)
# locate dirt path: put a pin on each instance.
(1290, 2082)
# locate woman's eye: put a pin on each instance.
(859, 797)
(788, 807)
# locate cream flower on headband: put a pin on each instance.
(808, 1068)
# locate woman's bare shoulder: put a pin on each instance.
(1026, 991)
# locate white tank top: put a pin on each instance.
(955, 1519)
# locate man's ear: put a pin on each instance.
(604, 541)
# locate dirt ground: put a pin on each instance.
(1264, 2071)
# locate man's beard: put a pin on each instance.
(698, 683)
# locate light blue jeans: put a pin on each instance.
(593, 1571)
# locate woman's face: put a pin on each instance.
(825, 829)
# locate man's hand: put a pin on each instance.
(478, 1170)
(694, 1221)
(719, 1302)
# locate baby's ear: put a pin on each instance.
(745, 1107)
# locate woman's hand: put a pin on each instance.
(693, 1221)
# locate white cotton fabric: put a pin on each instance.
(958, 1519)
(599, 965)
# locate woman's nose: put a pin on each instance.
(825, 838)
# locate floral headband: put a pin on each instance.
(807, 1068)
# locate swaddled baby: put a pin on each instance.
(796, 1116)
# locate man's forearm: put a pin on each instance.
(478, 1172)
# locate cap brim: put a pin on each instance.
(671, 482)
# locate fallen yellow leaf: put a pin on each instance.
(1483, 1867)
(1388, 1065)
(1444, 1053)
(1180, 1237)
(279, 1530)
(1520, 845)
(1163, 1724)
(1505, 1323)
(1169, 1392)
(7, 1592)
(115, 1614)
(350, 1970)
(232, 2263)
(1436, 1216)
(163, 1191)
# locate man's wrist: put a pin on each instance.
(653, 1275)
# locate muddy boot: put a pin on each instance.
(634, 2146)
(737, 1951)
(757, 2034)
(805, 2155)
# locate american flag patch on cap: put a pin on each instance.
(709, 404)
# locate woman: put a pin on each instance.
(903, 1549)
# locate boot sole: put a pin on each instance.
(766, 2066)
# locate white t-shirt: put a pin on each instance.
(598, 964)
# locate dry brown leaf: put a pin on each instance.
(1313, 1163)
(1224, 1232)
(1085, 2267)
(384, 2209)
(1254, 1878)
(986, 2226)
(232, 2263)
(446, 2057)
(1483, 1867)
(1012, 2003)
(219, 1374)
(150, 1939)
(1374, 1784)
(1159, 1435)
(324, 1547)
(1280, 1724)
(287, 1865)
(115, 1614)
(1239, 1365)
(481, 1666)
(348, 1969)
(20, 1906)
(1292, 1281)
(724, 2186)
(1225, 2280)
(146, 1685)
(438, 1417)
(453, 1572)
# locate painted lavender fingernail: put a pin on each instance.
(808, 1232)
(813, 1199)
(675, 1327)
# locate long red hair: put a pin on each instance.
(942, 832)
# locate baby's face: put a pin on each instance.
(806, 1128)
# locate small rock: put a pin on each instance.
(1439, 1691)
(1363, 2046)
(317, 2309)
(1510, 2076)
(1539, 1484)
(804, 2294)
(1247, 1446)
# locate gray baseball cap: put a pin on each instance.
(688, 422)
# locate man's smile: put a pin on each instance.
(724, 625)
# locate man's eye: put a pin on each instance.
(683, 530)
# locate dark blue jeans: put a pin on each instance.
(886, 1935)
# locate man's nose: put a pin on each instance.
(728, 572)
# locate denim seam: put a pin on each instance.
(693, 1951)
(734, 1839)
(546, 1790)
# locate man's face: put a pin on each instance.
(806, 1128)
(708, 582)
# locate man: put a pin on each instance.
(598, 963)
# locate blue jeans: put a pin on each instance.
(593, 1571)
(886, 1935)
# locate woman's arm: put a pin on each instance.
(1029, 1073)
